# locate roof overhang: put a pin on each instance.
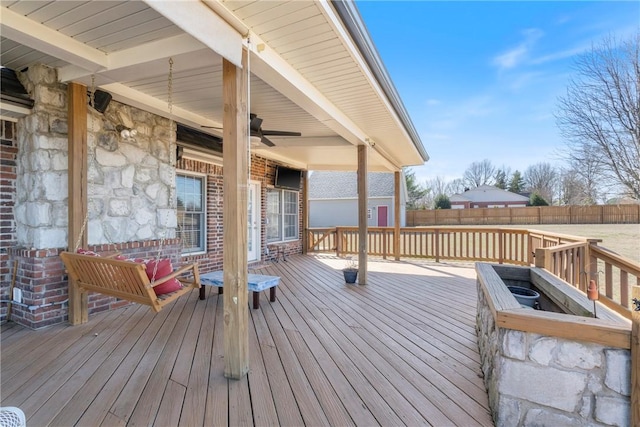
(313, 69)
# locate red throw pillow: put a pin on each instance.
(164, 269)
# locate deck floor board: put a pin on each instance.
(399, 351)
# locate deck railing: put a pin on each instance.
(575, 260)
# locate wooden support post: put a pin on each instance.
(234, 172)
(396, 213)
(362, 213)
(77, 166)
(635, 360)
(305, 213)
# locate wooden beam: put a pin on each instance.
(235, 171)
(635, 359)
(77, 167)
(305, 213)
(362, 214)
(396, 215)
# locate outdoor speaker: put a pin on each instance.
(101, 100)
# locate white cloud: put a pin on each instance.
(517, 55)
(432, 102)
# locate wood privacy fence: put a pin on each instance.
(598, 214)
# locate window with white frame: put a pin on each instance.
(282, 215)
(191, 192)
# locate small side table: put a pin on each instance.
(256, 284)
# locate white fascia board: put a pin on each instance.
(37, 36)
(266, 64)
(199, 20)
(353, 50)
(146, 53)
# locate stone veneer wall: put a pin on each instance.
(536, 380)
(131, 189)
(131, 186)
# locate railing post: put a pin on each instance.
(635, 359)
(437, 242)
(540, 258)
(338, 241)
(500, 247)
(384, 243)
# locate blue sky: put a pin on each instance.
(481, 79)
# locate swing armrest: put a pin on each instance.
(113, 255)
(177, 273)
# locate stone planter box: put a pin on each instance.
(556, 367)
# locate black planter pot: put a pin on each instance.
(350, 275)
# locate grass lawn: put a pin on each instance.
(621, 238)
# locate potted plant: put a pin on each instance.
(350, 272)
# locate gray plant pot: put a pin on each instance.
(350, 275)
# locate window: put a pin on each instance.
(191, 215)
(282, 215)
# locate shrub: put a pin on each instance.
(537, 200)
(442, 202)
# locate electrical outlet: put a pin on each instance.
(17, 295)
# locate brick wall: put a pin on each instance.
(8, 153)
(263, 171)
(44, 283)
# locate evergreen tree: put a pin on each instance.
(415, 192)
(442, 202)
(501, 179)
(516, 184)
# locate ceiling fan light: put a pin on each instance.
(255, 141)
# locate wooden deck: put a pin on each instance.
(400, 351)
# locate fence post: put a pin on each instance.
(635, 358)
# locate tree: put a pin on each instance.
(537, 200)
(542, 178)
(516, 184)
(457, 186)
(415, 192)
(599, 116)
(479, 173)
(442, 202)
(501, 178)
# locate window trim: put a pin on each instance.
(204, 195)
(281, 216)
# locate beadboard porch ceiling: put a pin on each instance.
(307, 74)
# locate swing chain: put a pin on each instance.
(92, 103)
(172, 165)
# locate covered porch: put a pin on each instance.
(401, 350)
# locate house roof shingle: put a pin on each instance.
(488, 193)
(344, 185)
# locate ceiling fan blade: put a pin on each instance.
(211, 127)
(280, 133)
(266, 141)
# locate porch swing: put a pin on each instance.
(127, 279)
